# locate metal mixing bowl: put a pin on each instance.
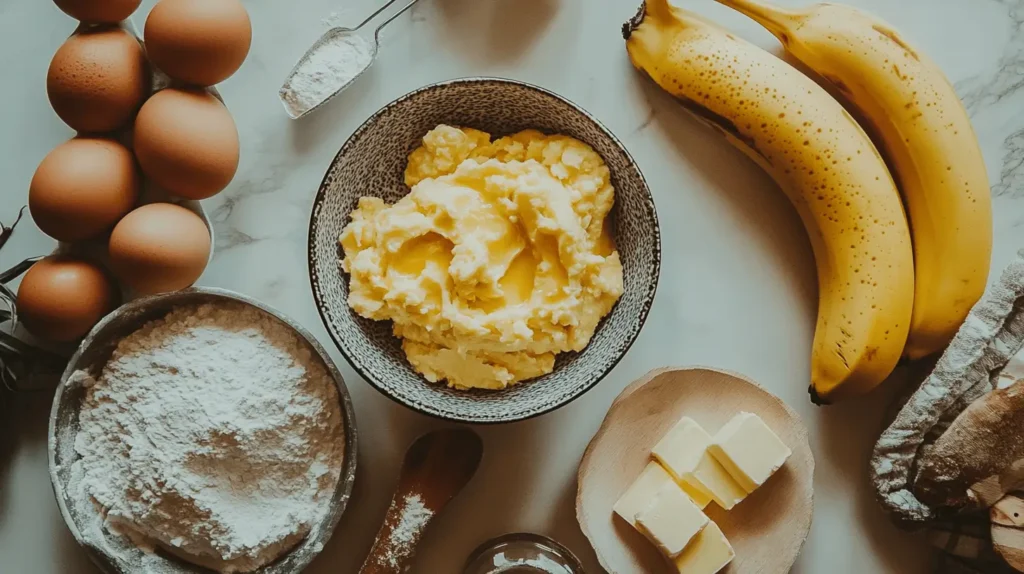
(94, 352)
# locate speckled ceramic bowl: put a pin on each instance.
(373, 162)
(92, 354)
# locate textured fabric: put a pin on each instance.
(986, 354)
(947, 564)
(969, 369)
(968, 541)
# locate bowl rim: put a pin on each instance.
(346, 478)
(366, 375)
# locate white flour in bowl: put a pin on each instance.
(213, 433)
(332, 64)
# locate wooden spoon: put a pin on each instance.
(437, 466)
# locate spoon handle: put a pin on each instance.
(375, 14)
(376, 33)
(396, 541)
(378, 12)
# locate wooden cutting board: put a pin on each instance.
(767, 529)
(1007, 518)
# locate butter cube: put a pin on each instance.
(708, 553)
(749, 450)
(684, 453)
(699, 497)
(639, 495)
(712, 478)
(671, 520)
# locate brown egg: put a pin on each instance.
(61, 298)
(98, 11)
(98, 79)
(159, 247)
(199, 42)
(82, 188)
(187, 143)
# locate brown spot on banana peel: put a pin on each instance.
(716, 121)
(842, 357)
(838, 83)
(895, 38)
(816, 397)
(722, 124)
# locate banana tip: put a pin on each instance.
(816, 398)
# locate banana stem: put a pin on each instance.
(659, 9)
(778, 21)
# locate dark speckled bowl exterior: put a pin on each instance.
(372, 162)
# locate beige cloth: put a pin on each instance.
(987, 354)
(966, 547)
(969, 369)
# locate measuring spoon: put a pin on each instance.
(295, 103)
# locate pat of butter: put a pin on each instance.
(684, 453)
(638, 496)
(749, 450)
(699, 497)
(708, 553)
(671, 520)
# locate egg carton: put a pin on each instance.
(96, 249)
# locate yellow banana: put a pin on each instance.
(915, 117)
(827, 166)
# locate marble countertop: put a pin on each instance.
(737, 288)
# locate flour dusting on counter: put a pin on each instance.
(214, 434)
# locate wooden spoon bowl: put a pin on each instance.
(767, 529)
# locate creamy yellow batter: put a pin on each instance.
(499, 258)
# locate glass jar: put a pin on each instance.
(522, 553)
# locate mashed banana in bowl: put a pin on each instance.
(498, 259)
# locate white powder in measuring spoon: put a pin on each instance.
(213, 433)
(330, 66)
